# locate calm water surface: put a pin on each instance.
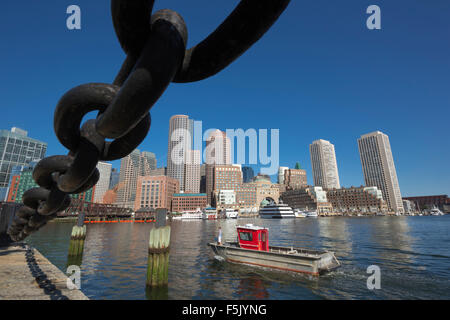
(413, 254)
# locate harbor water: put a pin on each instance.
(413, 254)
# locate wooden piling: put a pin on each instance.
(158, 257)
(77, 238)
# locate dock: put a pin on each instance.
(25, 274)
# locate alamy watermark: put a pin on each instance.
(74, 279)
(374, 281)
(73, 22)
(236, 141)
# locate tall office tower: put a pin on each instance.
(103, 183)
(135, 165)
(203, 179)
(247, 174)
(17, 149)
(148, 162)
(281, 171)
(217, 152)
(180, 140)
(158, 172)
(192, 171)
(379, 169)
(324, 165)
(114, 180)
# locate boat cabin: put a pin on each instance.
(253, 237)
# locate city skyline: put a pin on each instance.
(367, 84)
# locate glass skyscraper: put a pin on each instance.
(247, 174)
(17, 149)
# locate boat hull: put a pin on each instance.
(305, 261)
(276, 216)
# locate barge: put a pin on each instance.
(253, 249)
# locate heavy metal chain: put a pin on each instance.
(156, 56)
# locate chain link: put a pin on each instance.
(156, 56)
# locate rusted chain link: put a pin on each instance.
(156, 56)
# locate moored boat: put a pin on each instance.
(230, 213)
(209, 213)
(311, 214)
(253, 249)
(299, 213)
(276, 211)
(190, 215)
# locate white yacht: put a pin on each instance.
(231, 214)
(436, 212)
(299, 213)
(210, 213)
(190, 215)
(276, 211)
(311, 214)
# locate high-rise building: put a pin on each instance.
(247, 174)
(21, 181)
(379, 169)
(217, 152)
(103, 183)
(281, 171)
(135, 165)
(16, 149)
(148, 162)
(295, 179)
(155, 192)
(203, 179)
(114, 179)
(158, 172)
(192, 171)
(180, 141)
(324, 164)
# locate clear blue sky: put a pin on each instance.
(318, 73)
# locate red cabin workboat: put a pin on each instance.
(253, 249)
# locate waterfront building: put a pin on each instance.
(217, 152)
(295, 179)
(247, 174)
(409, 206)
(110, 196)
(155, 192)
(379, 168)
(133, 166)
(87, 196)
(188, 201)
(114, 178)
(281, 171)
(226, 198)
(158, 172)
(324, 164)
(103, 182)
(21, 181)
(180, 132)
(441, 201)
(357, 200)
(192, 171)
(307, 199)
(17, 149)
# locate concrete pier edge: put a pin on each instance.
(25, 274)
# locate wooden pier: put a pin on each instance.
(25, 274)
